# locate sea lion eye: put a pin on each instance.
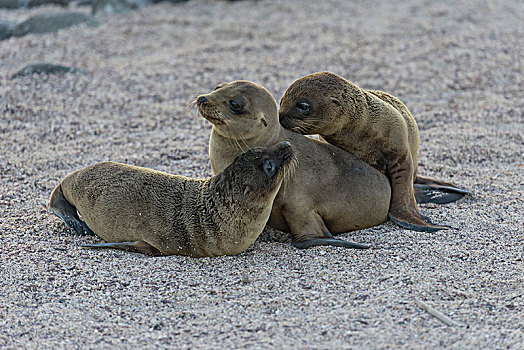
(219, 86)
(269, 167)
(236, 106)
(304, 107)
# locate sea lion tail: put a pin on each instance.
(61, 207)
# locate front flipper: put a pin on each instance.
(136, 247)
(416, 224)
(315, 242)
(435, 191)
(309, 230)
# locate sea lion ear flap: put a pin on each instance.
(263, 119)
(247, 190)
(335, 101)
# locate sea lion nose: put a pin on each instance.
(201, 100)
(286, 148)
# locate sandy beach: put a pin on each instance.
(458, 66)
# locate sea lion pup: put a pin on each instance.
(330, 191)
(156, 213)
(375, 127)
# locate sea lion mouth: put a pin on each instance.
(212, 118)
(296, 124)
(288, 120)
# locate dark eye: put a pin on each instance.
(304, 108)
(269, 167)
(235, 106)
(219, 86)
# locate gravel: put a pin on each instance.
(457, 65)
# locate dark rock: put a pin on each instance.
(85, 3)
(35, 3)
(117, 6)
(13, 4)
(52, 22)
(44, 68)
(6, 29)
(171, 1)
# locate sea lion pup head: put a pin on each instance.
(239, 109)
(262, 185)
(312, 104)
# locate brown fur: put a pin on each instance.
(330, 192)
(174, 214)
(372, 125)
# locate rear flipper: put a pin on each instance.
(403, 209)
(61, 207)
(437, 195)
(136, 247)
(314, 242)
(435, 191)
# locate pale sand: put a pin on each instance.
(457, 66)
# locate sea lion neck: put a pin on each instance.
(223, 150)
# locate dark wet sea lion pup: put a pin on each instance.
(330, 191)
(375, 127)
(156, 213)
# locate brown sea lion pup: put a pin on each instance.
(375, 127)
(155, 213)
(330, 191)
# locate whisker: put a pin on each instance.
(245, 144)
(239, 146)
(312, 119)
(307, 123)
(243, 141)
(191, 105)
(290, 172)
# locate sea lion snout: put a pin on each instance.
(284, 148)
(209, 110)
(201, 100)
(287, 150)
(295, 122)
(283, 155)
(285, 120)
(282, 145)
